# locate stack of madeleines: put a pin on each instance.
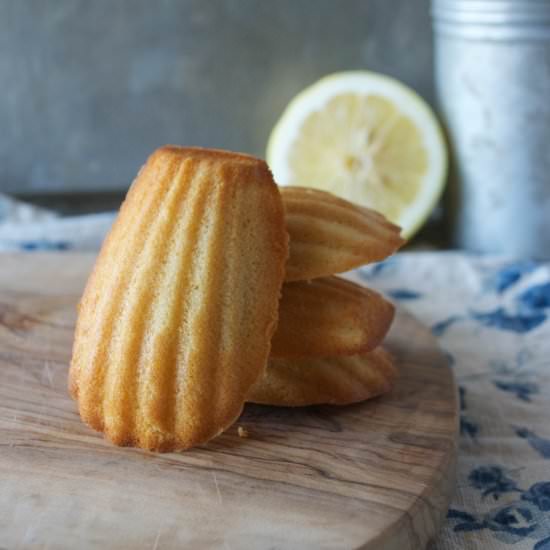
(215, 287)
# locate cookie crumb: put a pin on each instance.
(243, 432)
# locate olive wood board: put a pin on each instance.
(376, 475)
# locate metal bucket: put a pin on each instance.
(492, 73)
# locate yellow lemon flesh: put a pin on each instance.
(366, 138)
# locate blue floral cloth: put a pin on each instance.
(492, 317)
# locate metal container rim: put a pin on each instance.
(492, 5)
(492, 12)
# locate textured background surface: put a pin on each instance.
(90, 88)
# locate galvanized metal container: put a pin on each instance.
(492, 72)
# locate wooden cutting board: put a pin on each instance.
(376, 475)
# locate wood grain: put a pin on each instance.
(376, 475)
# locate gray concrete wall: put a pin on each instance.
(89, 88)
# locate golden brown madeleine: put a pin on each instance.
(317, 381)
(176, 320)
(328, 317)
(331, 235)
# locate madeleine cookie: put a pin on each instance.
(331, 235)
(177, 317)
(329, 316)
(335, 381)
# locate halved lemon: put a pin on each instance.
(366, 138)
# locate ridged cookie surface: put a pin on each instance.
(176, 320)
(329, 316)
(335, 381)
(330, 235)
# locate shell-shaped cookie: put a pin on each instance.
(177, 317)
(328, 317)
(335, 381)
(330, 235)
